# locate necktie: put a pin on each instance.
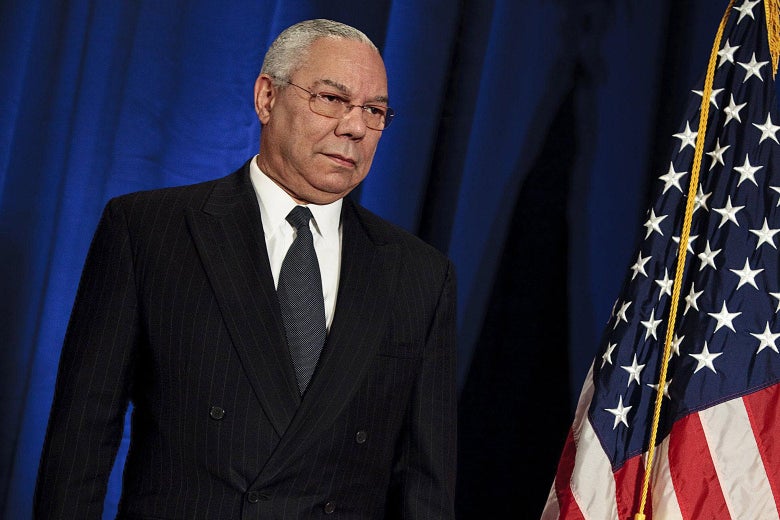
(300, 296)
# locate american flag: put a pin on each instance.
(718, 435)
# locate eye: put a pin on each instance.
(331, 98)
(375, 110)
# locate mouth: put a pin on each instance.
(341, 159)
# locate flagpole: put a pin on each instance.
(681, 254)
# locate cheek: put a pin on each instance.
(300, 147)
(298, 135)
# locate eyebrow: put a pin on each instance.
(344, 90)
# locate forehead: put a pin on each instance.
(355, 65)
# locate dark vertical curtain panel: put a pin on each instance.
(527, 136)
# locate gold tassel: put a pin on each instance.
(771, 8)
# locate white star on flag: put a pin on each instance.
(768, 130)
(620, 413)
(753, 68)
(687, 138)
(746, 275)
(724, 318)
(766, 339)
(705, 359)
(633, 372)
(728, 213)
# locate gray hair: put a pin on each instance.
(289, 50)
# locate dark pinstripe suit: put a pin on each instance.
(177, 311)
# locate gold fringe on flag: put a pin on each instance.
(772, 8)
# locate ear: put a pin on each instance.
(265, 96)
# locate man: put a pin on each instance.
(178, 312)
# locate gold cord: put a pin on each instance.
(681, 254)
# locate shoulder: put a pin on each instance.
(178, 198)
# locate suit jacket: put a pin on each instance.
(177, 313)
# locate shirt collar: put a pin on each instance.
(275, 204)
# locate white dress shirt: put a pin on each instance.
(275, 204)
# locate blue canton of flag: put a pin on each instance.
(718, 453)
(725, 344)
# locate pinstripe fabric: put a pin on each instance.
(176, 311)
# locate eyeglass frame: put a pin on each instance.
(389, 112)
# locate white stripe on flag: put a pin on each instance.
(737, 461)
(592, 482)
(665, 503)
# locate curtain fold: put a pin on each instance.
(103, 98)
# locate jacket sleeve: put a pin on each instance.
(93, 380)
(426, 468)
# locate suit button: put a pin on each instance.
(216, 413)
(329, 508)
(253, 497)
(361, 436)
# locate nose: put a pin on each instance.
(352, 124)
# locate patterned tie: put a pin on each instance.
(300, 297)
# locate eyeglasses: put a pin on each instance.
(376, 117)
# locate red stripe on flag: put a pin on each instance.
(763, 408)
(566, 502)
(628, 488)
(693, 472)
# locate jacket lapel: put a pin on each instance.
(228, 235)
(369, 269)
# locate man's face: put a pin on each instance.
(314, 158)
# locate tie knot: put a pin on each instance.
(299, 217)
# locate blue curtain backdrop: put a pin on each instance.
(527, 135)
